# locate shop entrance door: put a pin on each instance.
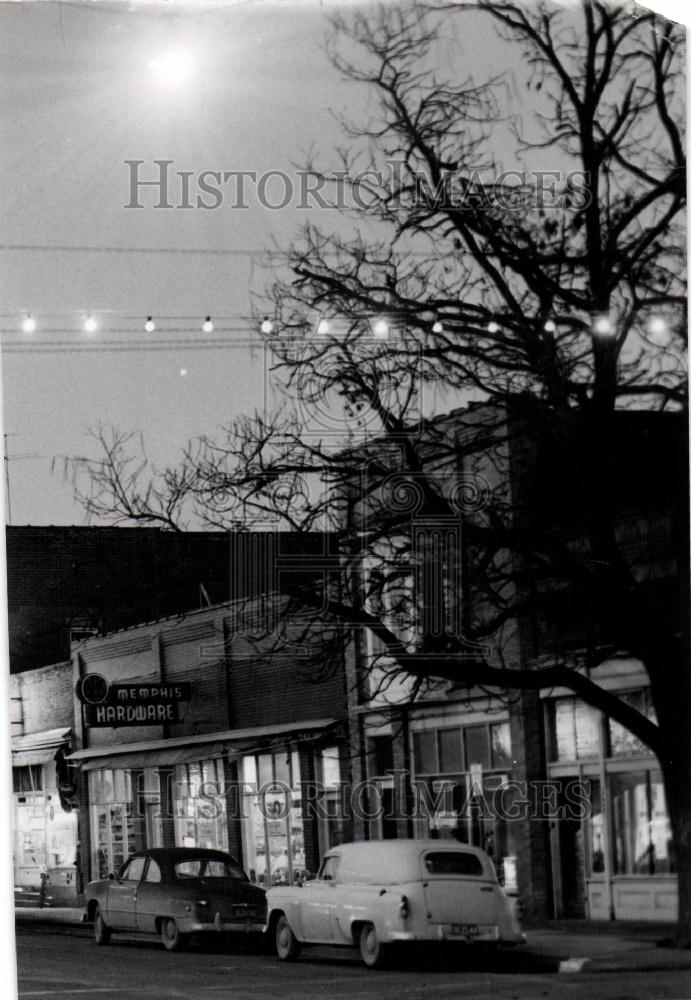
(571, 868)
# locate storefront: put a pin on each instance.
(190, 733)
(45, 827)
(616, 862)
(458, 760)
(237, 791)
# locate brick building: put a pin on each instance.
(228, 772)
(460, 743)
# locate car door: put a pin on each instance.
(316, 901)
(149, 898)
(458, 891)
(122, 895)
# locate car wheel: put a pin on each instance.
(373, 953)
(287, 945)
(171, 935)
(101, 930)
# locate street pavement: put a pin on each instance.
(60, 960)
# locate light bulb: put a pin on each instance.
(90, 324)
(172, 68)
(207, 325)
(602, 325)
(492, 327)
(550, 326)
(437, 327)
(29, 324)
(381, 328)
(324, 327)
(659, 331)
(149, 326)
(267, 326)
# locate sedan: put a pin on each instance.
(175, 892)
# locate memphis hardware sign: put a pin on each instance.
(114, 705)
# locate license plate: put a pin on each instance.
(465, 930)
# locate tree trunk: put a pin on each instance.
(676, 772)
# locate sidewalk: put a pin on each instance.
(568, 946)
(607, 947)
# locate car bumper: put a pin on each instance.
(223, 925)
(488, 934)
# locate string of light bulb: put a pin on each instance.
(601, 325)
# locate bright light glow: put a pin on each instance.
(492, 327)
(267, 326)
(207, 325)
(659, 331)
(381, 328)
(602, 325)
(172, 68)
(437, 327)
(29, 324)
(183, 371)
(324, 327)
(550, 326)
(90, 324)
(149, 326)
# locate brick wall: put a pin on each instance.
(42, 699)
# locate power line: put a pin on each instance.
(40, 247)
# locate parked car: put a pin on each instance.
(377, 894)
(175, 892)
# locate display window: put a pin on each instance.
(199, 804)
(273, 833)
(642, 838)
(125, 816)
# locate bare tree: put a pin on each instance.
(554, 297)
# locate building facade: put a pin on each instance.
(44, 818)
(193, 731)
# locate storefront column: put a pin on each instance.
(310, 824)
(234, 807)
(604, 806)
(166, 778)
(84, 873)
(400, 743)
(358, 774)
(346, 772)
(531, 835)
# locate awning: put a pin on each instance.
(38, 748)
(171, 751)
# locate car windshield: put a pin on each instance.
(208, 868)
(452, 863)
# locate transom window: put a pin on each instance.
(457, 749)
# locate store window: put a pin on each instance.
(200, 805)
(573, 729)
(273, 835)
(642, 840)
(117, 828)
(459, 772)
(27, 779)
(622, 743)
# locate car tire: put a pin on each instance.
(373, 953)
(101, 929)
(172, 937)
(287, 945)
